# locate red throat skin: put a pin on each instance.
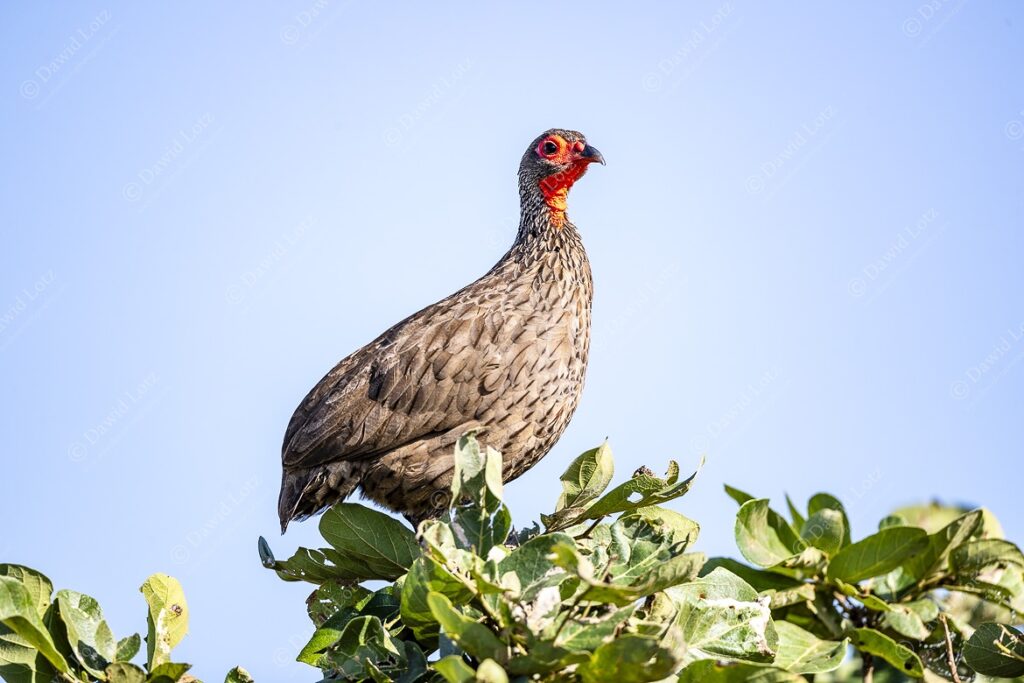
(555, 189)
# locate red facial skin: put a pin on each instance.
(555, 187)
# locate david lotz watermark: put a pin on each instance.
(750, 395)
(301, 25)
(894, 253)
(238, 290)
(700, 42)
(149, 177)
(929, 17)
(14, 317)
(645, 296)
(216, 525)
(126, 407)
(797, 149)
(439, 90)
(983, 374)
(70, 57)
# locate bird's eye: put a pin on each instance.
(550, 147)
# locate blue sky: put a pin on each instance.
(806, 245)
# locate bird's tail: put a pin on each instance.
(307, 491)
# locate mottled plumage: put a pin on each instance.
(505, 355)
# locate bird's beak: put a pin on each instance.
(590, 155)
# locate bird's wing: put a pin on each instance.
(428, 374)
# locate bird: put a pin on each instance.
(504, 357)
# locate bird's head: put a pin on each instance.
(553, 162)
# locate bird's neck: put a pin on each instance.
(543, 225)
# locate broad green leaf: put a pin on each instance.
(127, 648)
(878, 644)
(877, 554)
(586, 633)
(763, 536)
(759, 579)
(708, 671)
(490, 671)
(37, 585)
(167, 619)
(629, 659)
(168, 672)
(586, 478)
(123, 672)
(88, 633)
(795, 514)
(825, 501)
(368, 544)
(907, 620)
(335, 596)
(480, 518)
(648, 548)
(872, 602)
(364, 649)
(968, 559)
(740, 497)
(892, 520)
(825, 530)
(720, 615)
(428, 575)
(996, 650)
(238, 675)
(18, 612)
(804, 653)
(474, 638)
(531, 566)
(20, 662)
(455, 670)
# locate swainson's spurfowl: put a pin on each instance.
(505, 355)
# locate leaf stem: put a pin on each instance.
(950, 658)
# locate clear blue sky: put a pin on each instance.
(807, 249)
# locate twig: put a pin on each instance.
(950, 658)
(868, 668)
(589, 529)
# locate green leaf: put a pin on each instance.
(474, 638)
(740, 497)
(365, 649)
(335, 596)
(794, 513)
(238, 675)
(804, 653)
(167, 619)
(720, 615)
(647, 549)
(425, 576)
(123, 672)
(88, 633)
(18, 612)
(490, 671)
(20, 662)
(763, 536)
(37, 585)
(877, 554)
(531, 567)
(968, 559)
(367, 544)
(878, 644)
(484, 521)
(996, 650)
(455, 670)
(908, 620)
(586, 478)
(168, 672)
(825, 530)
(708, 671)
(825, 501)
(643, 490)
(127, 648)
(629, 658)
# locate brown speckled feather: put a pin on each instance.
(506, 355)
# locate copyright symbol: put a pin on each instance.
(754, 184)
(651, 82)
(700, 444)
(290, 34)
(857, 286)
(77, 451)
(440, 500)
(180, 554)
(959, 389)
(392, 136)
(1015, 129)
(234, 294)
(912, 27)
(132, 191)
(29, 89)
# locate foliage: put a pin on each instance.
(64, 637)
(610, 590)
